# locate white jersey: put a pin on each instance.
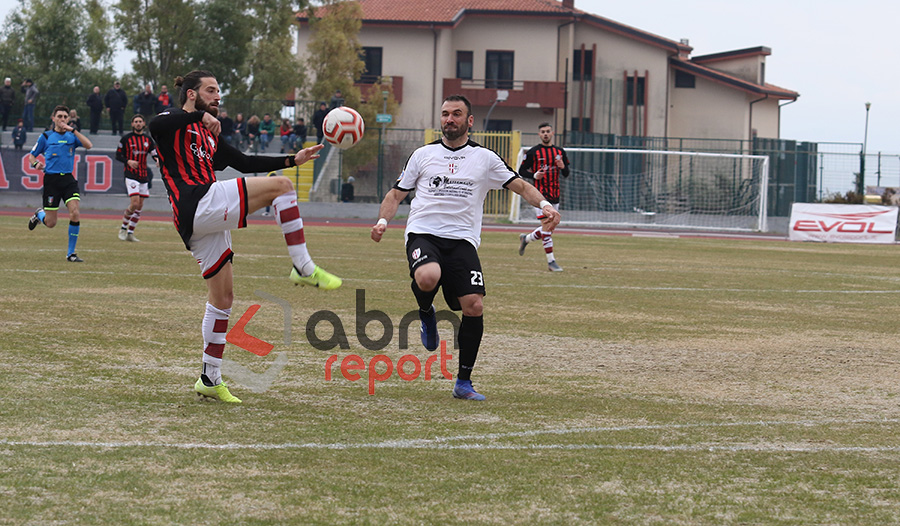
(450, 185)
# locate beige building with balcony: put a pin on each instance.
(524, 62)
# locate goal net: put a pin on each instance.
(690, 190)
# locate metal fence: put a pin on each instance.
(47, 101)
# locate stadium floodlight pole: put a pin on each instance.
(860, 185)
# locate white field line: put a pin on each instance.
(484, 441)
(495, 283)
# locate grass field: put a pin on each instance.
(655, 381)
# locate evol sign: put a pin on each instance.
(843, 223)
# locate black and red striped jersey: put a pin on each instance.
(189, 157)
(136, 147)
(541, 156)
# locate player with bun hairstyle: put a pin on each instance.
(206, 210)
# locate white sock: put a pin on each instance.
(547, 239)
(533, 236)
(214, 328)
(287, 215)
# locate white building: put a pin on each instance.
(556, 63)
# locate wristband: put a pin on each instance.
(544, 203)
(34, 164)
(381, 221)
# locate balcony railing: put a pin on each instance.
(520, 93)
(366, 81)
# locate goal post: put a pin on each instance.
(660, 189)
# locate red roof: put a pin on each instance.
(449, 12)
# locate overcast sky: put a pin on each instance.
(838, 55)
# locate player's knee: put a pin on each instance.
(473, 308)
(427, 281)
(283, 185)
(49, 222)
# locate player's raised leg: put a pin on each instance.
(424, 287)
(280, 194)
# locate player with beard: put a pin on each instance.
(544, 163)
(206, 210)
(452, 177)
(133, 151)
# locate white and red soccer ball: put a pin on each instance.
(343, 127)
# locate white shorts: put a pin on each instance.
(538, 212)
(222, 209)
(135, 188)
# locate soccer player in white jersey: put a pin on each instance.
(451, 178)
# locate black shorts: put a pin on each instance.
(59, 188)
(460, 267)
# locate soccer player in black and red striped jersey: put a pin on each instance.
(544, 163)
(206, 210)
(133, 151)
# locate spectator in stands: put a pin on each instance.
(116, 100)
(147, 102)
(227, 126)
(239, 140)
(95, 104)
(318, 120)
(337, 99)
(165, 101)
(7, 96)
(253, 134)
(31, 95)
(286, 131)
(299, 133)
(266, 131)
(347, 190)
(74, 120)
(19, 135)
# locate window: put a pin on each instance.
(684, 80)
(631, 93)
(588, 72)
(464, 65)
(581, 124)
(498, 70)
(372, 57)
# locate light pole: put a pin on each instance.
(860, 187)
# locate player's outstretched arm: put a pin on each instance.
(387, 211)
(308, 154)
(536, 199)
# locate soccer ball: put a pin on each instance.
(343, 127)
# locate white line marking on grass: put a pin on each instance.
(478, 441)
(497, 284)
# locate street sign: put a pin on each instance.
(384, 118)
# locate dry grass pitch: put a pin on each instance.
(655, 381)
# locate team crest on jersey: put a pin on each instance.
(453, 168)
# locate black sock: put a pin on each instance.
(423, 298)
(470, 332)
